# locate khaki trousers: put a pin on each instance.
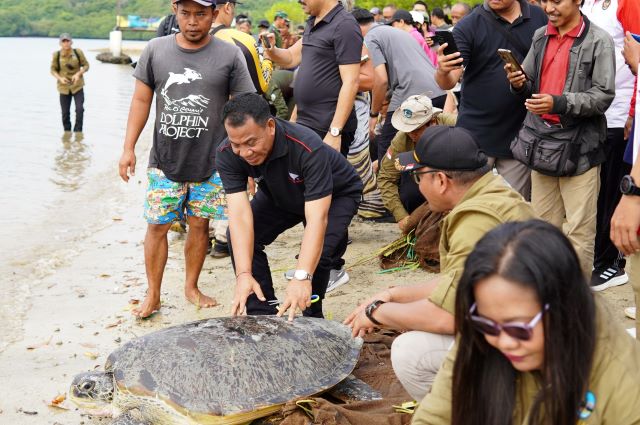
(634, 276)
(515, 173)
(571, 204)
(416, 357)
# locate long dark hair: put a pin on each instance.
(536, 255)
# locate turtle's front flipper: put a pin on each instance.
(353, 389)
(128, 419)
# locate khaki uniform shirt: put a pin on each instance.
(69, 65)
(389, 175)
(488, 203)
(615, 382)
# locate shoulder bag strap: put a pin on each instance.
(514, 41)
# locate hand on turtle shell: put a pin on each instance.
(298, 295)
(245, 286)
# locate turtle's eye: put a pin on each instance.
(87, 385)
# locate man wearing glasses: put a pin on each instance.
(453, 175)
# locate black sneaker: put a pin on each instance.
(606, 277)
(220, 249)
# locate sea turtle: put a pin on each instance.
(227, 370)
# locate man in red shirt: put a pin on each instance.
(571, 70)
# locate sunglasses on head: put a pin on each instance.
(521, 331)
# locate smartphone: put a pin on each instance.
(507, 57)
(445, 36)
(265, 41)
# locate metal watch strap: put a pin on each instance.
(371, 308)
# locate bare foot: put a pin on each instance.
(200, 300)
(150, 305)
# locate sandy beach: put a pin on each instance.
(74, 315)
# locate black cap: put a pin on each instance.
(401, 14)
(444, 148)
(263, 23)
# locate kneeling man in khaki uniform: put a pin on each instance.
(453, 175)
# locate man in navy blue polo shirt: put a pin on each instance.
(487, 108)
(299, 179)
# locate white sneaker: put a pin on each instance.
(337, 278)
(632, 332)
(630, 312)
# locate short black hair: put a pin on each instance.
(363, 16)
(422, 3)
(239, 108)
(438, 13)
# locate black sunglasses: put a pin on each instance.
(521, 331)
(416, 174)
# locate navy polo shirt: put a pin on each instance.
(300, 168)
(335, 40)
(487, 107)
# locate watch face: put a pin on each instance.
(625, 184)
(300, 275)
(335, 131)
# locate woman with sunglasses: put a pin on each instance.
(534, 347)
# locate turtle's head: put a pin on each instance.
(92, 390)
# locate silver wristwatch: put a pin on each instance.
(335, 131)
(302, 275)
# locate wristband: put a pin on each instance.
(370, 309)
(241, 273)
(374, 115)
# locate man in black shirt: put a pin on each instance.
(487, 108)
(329, 57)
(299, 179)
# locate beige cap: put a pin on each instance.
(414, 112)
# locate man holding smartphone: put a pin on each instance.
(487, 109)
(572, 69)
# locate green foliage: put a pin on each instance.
(95, 18)
(82, 18)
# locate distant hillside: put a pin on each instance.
(95, 18)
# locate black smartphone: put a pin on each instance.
(265, 41)
(444, 36)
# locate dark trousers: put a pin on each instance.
(409, 192)
(269, 221)
(611, 172)
(345, 142)
(65, 105)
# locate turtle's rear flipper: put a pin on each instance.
(127, 418)
(353, 389)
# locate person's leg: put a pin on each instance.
(516, 174)
(409, 192)
(634, 274)
(387, 134)
(156, 251)
(195, 250)
(269, 222)
(65, 106)
(341, 213)
(546, 200)
(164, 204)
(606, 255)
(580, 199)
(78, 99)
(416, 358)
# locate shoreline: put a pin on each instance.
(78, 312)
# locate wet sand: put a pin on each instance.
(76, 315)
